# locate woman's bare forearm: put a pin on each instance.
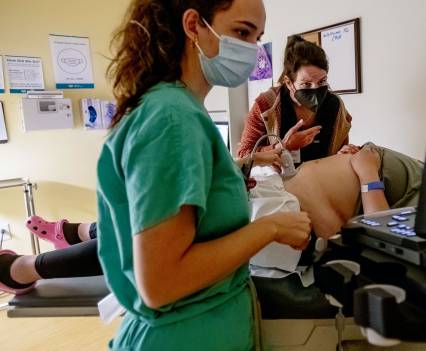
(374, 200)
(183, 268)
(366, 164)
(216, 259)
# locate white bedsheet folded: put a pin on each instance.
(268, 197)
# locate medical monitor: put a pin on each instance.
(223, 128)
(420, 227)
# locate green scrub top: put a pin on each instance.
(167, 153)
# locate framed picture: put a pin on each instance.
(3, 134)
(341, 43)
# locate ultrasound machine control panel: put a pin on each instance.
(392, 232)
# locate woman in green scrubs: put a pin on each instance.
(174, 232)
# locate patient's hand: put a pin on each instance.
(292, 228)
(349, 149)
(366, 164)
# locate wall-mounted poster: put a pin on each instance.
(261, 78)
(72, 62)
(24, 74)
(1, 76)
(341, 43)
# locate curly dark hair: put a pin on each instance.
(148, 47)
(298, 53)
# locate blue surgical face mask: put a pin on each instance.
(234, 63)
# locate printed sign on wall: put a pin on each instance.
(261, 78)
(1, 76)
(339, 45)
(72, 62)
(24, 74)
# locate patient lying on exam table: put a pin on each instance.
(327, 189)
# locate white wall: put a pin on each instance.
(229, 105)
(62, 162)
(390, 111)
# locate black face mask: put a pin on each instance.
(311, 98)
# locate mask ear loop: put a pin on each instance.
(212, 30)
(208, 25)
(198, 46)
(294, 93)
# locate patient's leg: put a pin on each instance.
(87, 231)
(80, 260)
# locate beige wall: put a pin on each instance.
(62, 162)
(391, 110)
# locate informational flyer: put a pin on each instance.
(72, 62)
(108, 110)
(91, 110)
(24, 73)
(1, 76)
(261, 78)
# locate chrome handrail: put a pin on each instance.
(12, 183)
(29, 202)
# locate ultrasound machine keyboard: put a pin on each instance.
(391, 232)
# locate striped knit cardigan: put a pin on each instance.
(265, 118)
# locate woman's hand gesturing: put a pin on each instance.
(295, 140)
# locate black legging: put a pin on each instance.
(79, 260)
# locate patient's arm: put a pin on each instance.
(366, 164)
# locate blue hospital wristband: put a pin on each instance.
(372, 186)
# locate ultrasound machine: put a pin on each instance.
(388, 296)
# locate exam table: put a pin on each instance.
(280, 299)
(294, 317)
